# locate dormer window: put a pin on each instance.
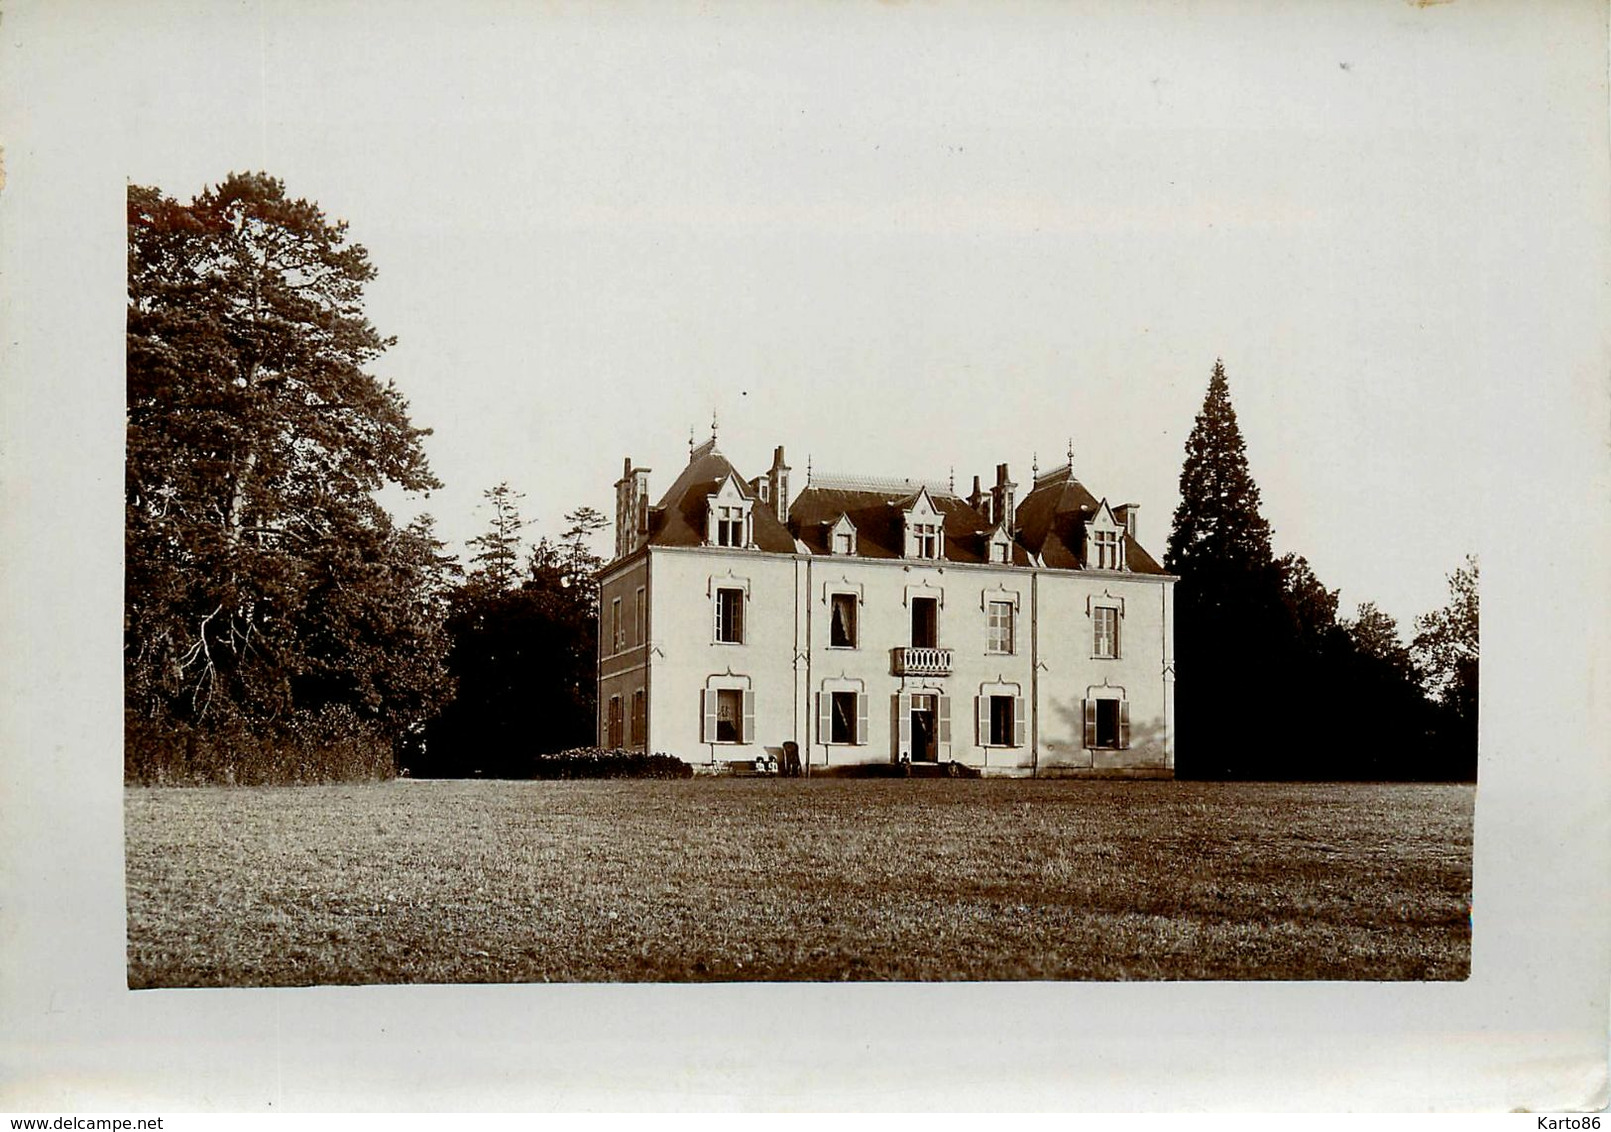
(728, 520)
(730, 526)
(925, 540)
(1105, 550)
(925, 528)
(1104, 540)
(842, 537)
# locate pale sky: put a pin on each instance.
(905, 238)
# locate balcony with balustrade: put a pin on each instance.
(920, 662)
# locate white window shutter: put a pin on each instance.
(981, 733)
(903, 724)
(945, 721)
(709, 703)
(748, 734)
(1018, 721)
(861, 719)
(1124, 724)
(824, 720)
(1090, 723)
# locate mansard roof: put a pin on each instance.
(1051, 524)
(679, 518)
(879, 515)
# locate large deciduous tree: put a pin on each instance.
(1445, 652)
(264, 582)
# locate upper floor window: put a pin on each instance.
(925, 623)
(924, 527)
(844, 543)
(618, 642)
(1105, 622)
(1105, 550)
(1000, 552)
(925, 540)
(842, 622)
(730, 523)
(730, 616)
(728, 517)
(1001, 627)
(637, 615)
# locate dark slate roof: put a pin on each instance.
(679, 518)
(876, 515)
(1050, 520)
(1051, 523)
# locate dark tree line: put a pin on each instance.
(1270, 682)
(524, 649)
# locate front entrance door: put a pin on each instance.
(925, 732)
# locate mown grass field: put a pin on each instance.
(765, 879)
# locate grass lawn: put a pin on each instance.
(796, 879)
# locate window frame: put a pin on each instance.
(1114, 640)
(853, 604)
(721, 625)
(994, 625)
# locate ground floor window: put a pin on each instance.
(613, 737)
(841, 718)
(640, 718)
(729, 715)
(1107, 724)
(1002, 721)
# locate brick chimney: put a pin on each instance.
(979, 501)
(1126, 514)
(631, 508)
(777, 482)
(1002, 505)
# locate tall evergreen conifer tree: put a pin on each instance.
(1229, 612)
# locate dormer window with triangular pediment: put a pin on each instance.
(1104, 540)
(998, 546)
(728, 517)
(924, 527)
(842, 537)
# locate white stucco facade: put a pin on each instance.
(719, 654)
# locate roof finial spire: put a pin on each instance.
(690, 444)
(808, 469)
(1034, 466)
(951, 481)
(1071, 452)
(713, 424)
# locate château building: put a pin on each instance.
(874, 620)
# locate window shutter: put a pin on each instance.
(903, 724)
(945, 719)
(748, 734)
(1124, 724)
(981, 734)
(709, 701)
(1090, 723)
(861, 719)
(1018, 721)
(824, 723)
